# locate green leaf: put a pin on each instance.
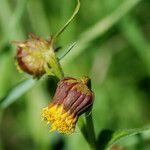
(108, 138)
(16, 92)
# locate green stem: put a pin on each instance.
(90, 131)
(82, 127)
(69, 21)
(55, 65)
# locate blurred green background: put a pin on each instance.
(113, 48)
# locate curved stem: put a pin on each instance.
(68, 22)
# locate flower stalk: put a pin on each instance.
(90, 131)
(54, 63)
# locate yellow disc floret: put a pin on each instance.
(60, 120)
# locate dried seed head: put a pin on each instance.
(33, 55)
(72, 98)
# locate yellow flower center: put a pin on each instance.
(60, 120)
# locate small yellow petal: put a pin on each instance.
(61, 121)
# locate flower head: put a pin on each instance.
(33, 55)
(72, 98)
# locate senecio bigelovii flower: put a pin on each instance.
(73, 97)
(34, 55)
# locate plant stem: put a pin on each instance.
(90, 131)
(69, 21)
(82, 127)
(55, 65)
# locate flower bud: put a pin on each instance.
(72, 98)
(33, 55)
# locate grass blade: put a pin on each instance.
(16, 92)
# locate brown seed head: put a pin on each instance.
(33, 54)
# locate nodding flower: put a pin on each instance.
(73, 97)
(33, 55)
